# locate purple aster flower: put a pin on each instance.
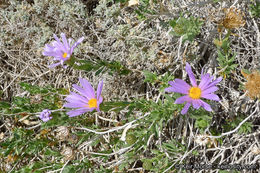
(193, 93)
(60, 51)
(45, 115)
(87, 101)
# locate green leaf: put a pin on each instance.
(69, 169)
(149, 77)
(246, 71)
(189, 28)
(30, 88)
(58, 119)
(50, 152)
(102, 66)
(21, 101)
(173, 23)
(87, 66)
(4, 104)
(99, 71)
(174, 147)
(106, 106)
(71, 61)
(195, 152)
(147, 164)
(255, 9)
(201, 124)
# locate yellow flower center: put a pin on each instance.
(92, 103)
(195, 92)
(64, 55)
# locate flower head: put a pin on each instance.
(62, 133)
(202, 139)
(253, 84)
(194, 93)
(45, 115)
(233, 18)
(255, 150)
(61, 51)
(87, 101)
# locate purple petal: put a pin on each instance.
(176, 90)
(47, 119)
(206, 106)
(62, 61)
(56, 59)
(59, 47)
(77, 112)
(178, 87)
(169, 89)
(183, 99)
(81, 91)
(65, 42)
(213, 82)
(64, 66)
(59, 44)
(209, 90)
(196, 103)
(73, 97)
(77, 102)
(191, 75)
(205, 80)
(70, 40)
(76, 44)
(100, 100)
(54, 51)
(171, 83)
(74, 105)
(182, 83)
(89, 89)
(97, 108)
(45, 115)
(211, 97)
(99, 89)
(49, 48)
(54, 65)
(55, 54)
(185, 109)
(202, 72)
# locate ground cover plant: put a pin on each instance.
(129, 86)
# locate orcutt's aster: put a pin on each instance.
(193, 93)
(45, 115)
(87, 101)
(61, 51)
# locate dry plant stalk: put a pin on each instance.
(62, 133)
(233, 19)
(202, 140)
(253, 84)
(68, 153)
